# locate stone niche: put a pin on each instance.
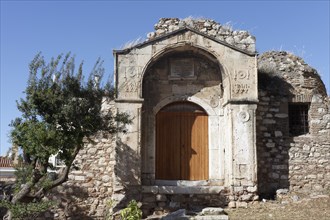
(193, 98)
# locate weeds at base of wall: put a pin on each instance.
(131, 212)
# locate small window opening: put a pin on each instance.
(298, 118)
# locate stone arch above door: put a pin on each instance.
(207, 108)
(182, 48)
(237, 68)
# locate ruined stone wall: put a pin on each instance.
(286, 161)
(90, 186)
(164, 202)
(163, 199)
(241, 39)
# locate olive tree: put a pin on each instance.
(61, 111)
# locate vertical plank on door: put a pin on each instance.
(168, 146)
(199, 148)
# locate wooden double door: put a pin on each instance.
(182, 142)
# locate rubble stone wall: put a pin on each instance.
(241, 39)
(90, 186)
(285, 161)
(164, 199)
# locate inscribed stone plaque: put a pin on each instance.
(182, 68)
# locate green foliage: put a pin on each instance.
(60, 109)
(109, 212)
(27, 210)
(131, 212)
(23, 175)
(60, 112)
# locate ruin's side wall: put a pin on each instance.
(297, 163)
(287, 161)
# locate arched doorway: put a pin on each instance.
(182, 142)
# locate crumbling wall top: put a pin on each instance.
(301, 78)
(241, 39)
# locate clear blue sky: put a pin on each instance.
(92, 29)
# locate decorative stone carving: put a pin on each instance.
(244, 116)
(214, 102)
(241, 74)
(131, 87)
(240, 88)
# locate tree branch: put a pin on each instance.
(61, 179)
(25, 190)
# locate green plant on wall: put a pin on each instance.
(109, 210)
(131, 212)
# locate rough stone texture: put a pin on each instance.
(186, 201)
(241, 39)
(290, 75)
(90, 187)
(212, 211)
(173, 199)
(286, 161)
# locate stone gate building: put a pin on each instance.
(213, 125)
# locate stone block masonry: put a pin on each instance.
(159, 200)
(89, 189)
(296, 162)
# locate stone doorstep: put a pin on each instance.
(210, 217)
(181, 183)
(208, 213)
(213, 211)
(183, 189)
(187, 217)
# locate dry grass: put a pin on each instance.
(306, 207)
(132, 43)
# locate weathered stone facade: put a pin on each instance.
(189, 65)
(251, 152)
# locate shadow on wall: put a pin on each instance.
(71, 201)
(127, 185)
(273, 139)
